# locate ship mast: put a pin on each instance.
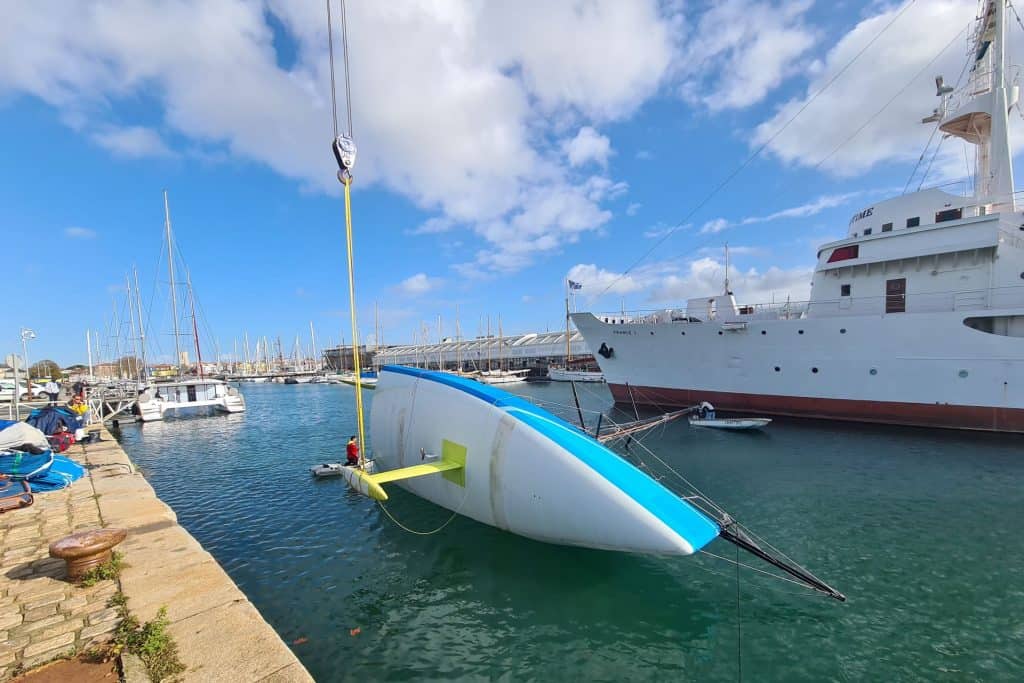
(981, 118)
(195, 327)
(170, 269)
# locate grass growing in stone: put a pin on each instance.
(150, 642)
(111, 569)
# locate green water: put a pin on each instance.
(920, 529)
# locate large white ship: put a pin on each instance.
(916, 317)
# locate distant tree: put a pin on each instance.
(77, 367)
(46, 368)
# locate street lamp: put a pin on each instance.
(26, 335)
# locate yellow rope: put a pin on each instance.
(347, 182)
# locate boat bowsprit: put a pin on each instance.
(502, 461)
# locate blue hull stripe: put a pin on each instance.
(687, 521)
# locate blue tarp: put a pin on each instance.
(4, 424)
(20, 465)
(49, 419)
(61, 474)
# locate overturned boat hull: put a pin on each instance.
(525, 470)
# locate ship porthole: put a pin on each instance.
(814, 370)
(719, 333)
(683, 333)
(764, 331)
(962, 373)
(1022, 276)
(778, 369)
(842, 330)
(873, 371)
(799, 331)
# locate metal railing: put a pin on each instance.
(929, 302)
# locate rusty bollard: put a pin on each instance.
(86, 549)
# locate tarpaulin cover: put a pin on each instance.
(18, 436)
(61, 474)
(25, 465)
(49, 419)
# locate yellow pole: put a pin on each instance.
(355, 330)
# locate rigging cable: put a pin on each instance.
(344, 151)
(757, 152)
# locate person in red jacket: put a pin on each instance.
(352, 452)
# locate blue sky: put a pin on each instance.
(501, 151)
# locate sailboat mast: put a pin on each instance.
(195, 327)
(312, 337)
(458, 341)
(170, 270)
(142, 326)
(568, 349)
(488, 342)
(135, 339)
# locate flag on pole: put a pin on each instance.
(575, 285)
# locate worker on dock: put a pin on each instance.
(352, 452)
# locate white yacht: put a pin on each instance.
(916, 317)
(159, 398)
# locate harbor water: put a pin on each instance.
(919, 528)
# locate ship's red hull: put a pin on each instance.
(944, 415)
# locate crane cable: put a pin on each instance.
(344, 149)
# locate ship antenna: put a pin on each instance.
(727, 292)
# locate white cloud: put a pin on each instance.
(633, 209)
(133, 142)
(419, 283)
(714, 226)
(672, 283)
(889, 65)
(454, 110)
(587, 146)
(77, 232)
(644, 155)
(706, 276)
(740, 51)
(811, 208)
(434, 226)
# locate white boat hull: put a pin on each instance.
(866, 368)
(155, 402)
(563, 375)
(730, 422)
(526, 471)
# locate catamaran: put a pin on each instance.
(185, 394)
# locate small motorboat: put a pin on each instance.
(704, 416)
(730, 422)
(327, 469)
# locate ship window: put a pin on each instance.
(844, 253)
(814, 370)
(914, 222)
(886, 227)
(949, 215)
(867, 231)
(778, 369)
(844, 290)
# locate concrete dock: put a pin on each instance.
(220, 635)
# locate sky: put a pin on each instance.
(503, 148)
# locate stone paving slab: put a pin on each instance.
(221, 636)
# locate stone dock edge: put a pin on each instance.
(220, 634)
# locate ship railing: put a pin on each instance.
(926, 302)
